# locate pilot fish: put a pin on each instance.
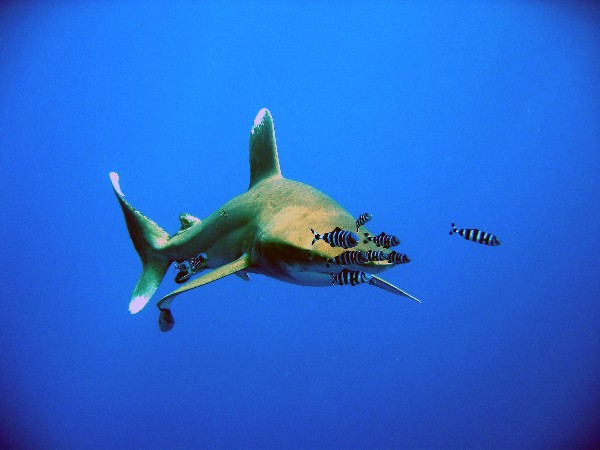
(337, 238)
(350, 257)
(362, 219)
(187, 269)
(352, 277)
(376, 255)
(384, 240)
(475, 235)
(398, 258)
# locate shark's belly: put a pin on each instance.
(314, 274)
(297, 277)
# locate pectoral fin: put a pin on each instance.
(380, 283)
(166, 321)
(243, 275)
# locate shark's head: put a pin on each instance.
(284, 246)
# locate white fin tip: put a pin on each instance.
(138, 303)
(114, 178)
(259, 118)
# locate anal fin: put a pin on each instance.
(243, 275)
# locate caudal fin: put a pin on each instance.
(454, 229)
(148, 239)
(316, 235)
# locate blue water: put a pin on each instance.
(482, 113)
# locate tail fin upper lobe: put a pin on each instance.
(148, 239)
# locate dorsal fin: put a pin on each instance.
(187, 220)
(264, 162)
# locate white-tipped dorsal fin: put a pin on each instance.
(264, 162)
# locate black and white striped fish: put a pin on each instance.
(350, 257)
(475, 235)
(187, 269)
(337, 238)
(376, 255)
(384, 240)
(398, 258)
(362, 219)
(352, 277)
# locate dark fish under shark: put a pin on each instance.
(337, 238)
(362, 219)
(376, 255)
(475, 235)
(350, 257)
(351, 277)
(191, 267)
(262, 230)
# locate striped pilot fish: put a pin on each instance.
(350, 257)
(384, 240)
(475, 235)
(376, 255)
(397, 258)
(352, 277)
(362, 219)
(187, 269)
(337, 238)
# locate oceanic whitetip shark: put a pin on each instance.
(265, 230)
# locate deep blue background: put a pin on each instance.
(483, 113)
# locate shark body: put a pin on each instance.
(265, 230)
